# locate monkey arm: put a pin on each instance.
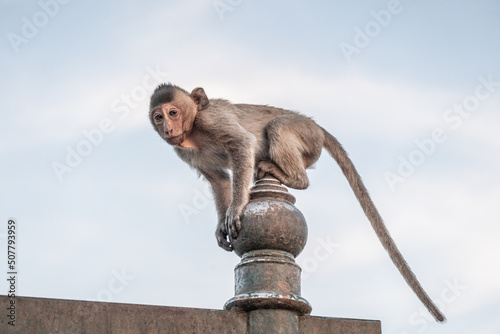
(243, 161)
(221, 188)
(240, 145)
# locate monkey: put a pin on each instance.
(230, 145)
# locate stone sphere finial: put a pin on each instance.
(271, 221)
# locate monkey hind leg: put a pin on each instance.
(296, 181)
(289, 150)
(266, 167)
(270, 168)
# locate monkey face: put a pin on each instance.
(173, 111)
(168, 119)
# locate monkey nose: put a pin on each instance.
(167, 130)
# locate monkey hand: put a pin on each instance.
(221, 235)
(228, 227)
(233, 223)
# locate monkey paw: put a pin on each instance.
(221, 235)
(233, 223)
(269, 168)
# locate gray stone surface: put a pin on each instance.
(324, 325)
(49, 316)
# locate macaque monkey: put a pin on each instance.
(215, 136)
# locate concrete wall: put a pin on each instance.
(44, 316)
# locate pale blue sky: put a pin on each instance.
(129, 222)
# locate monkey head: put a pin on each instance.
(172, 111)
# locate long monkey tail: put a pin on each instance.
(336, 150)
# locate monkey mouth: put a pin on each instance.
(176, 141)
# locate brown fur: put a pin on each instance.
(214, 136)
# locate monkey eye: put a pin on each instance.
(172, 113)
(158, 117)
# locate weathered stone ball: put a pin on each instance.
(268, 223)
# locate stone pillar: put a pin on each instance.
(267, 280)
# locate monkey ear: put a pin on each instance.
(200, 98)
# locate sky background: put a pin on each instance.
(106, 211)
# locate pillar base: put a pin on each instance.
(268, 279)
(268, 300)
